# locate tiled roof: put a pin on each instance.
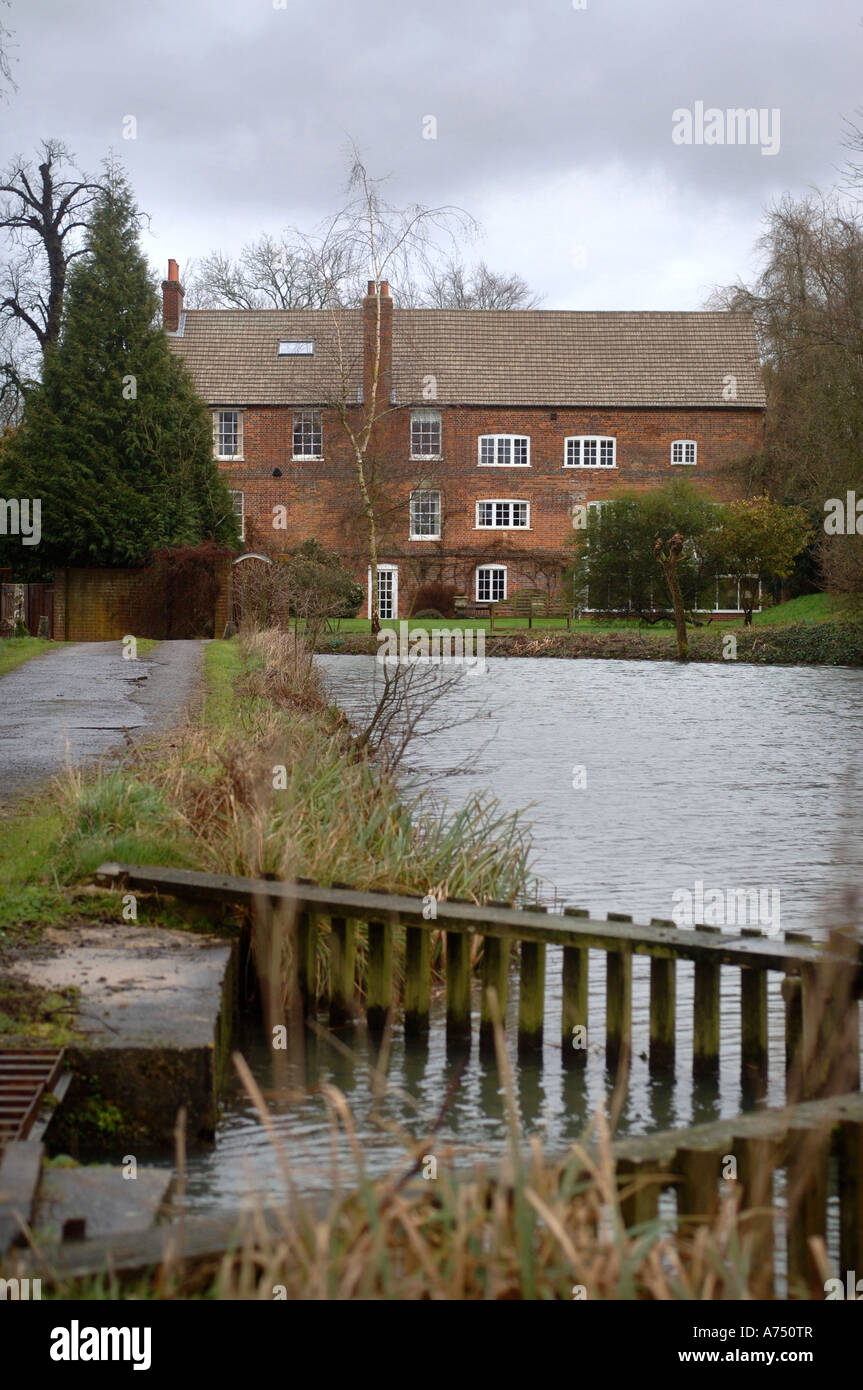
(509, 357)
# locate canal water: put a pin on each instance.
(640, 782)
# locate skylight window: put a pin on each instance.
(292, 347)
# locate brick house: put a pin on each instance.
(492, 428)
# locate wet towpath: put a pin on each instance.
(77, 703)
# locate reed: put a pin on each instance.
(527, 1228)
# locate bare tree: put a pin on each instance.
(409, 701)
(451, 286)
(390, 243)
(280, 273)
(273, 273)
(5, 60)
(42, 212)
(853, 141)
(807, 304)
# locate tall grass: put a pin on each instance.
(530, 1228)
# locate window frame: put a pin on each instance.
(415, 492)
(684, 462)
(598, 440)
(499, 569)
(238, 492)
(502, 502)
(307, 410)
(717, 608)
(417, 415)
(482, 463)
(218, 412)
(393, 572)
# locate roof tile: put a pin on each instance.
(480, 357)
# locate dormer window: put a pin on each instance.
(296, 347)
(684, 451)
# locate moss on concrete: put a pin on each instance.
(29, 1014)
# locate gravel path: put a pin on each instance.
(73, 705)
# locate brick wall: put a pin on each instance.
(321, 497)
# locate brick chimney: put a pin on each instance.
(172, 298)
(378, 299)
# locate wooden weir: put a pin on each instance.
(818, 1136)
(821, 982)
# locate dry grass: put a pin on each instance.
(532, 1229)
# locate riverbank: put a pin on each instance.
(263, 778)
(832, 643)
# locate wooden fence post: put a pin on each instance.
(417, 981)
(457, 987)
(756, 1158)
(753, 1022)
(850, 1183)
(640, 1205)
(495, 976)
(806, 1206)
(379, 983)
(663, 1012)
(343, 955)
(574, 1003)
(793, 996)
(531, 995)
(699, 1169)
(705, 1022)
(618, 998)
(307, 962)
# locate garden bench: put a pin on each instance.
(469, 608)
(530, 604)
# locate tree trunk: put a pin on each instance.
(668, 560)
(679, 615)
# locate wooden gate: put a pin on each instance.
(30, 602)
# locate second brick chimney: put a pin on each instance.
(378, 299)
(172, 298)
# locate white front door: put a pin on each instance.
(388, 591)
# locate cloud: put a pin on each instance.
(553, 122)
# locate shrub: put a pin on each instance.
(434, 596)
(187, 596)
(804, 644)
(320, 586)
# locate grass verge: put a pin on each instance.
(14, 651)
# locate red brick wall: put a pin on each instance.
(322, 500)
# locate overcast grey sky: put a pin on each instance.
(554, 123)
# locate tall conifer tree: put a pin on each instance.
(115, 441)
